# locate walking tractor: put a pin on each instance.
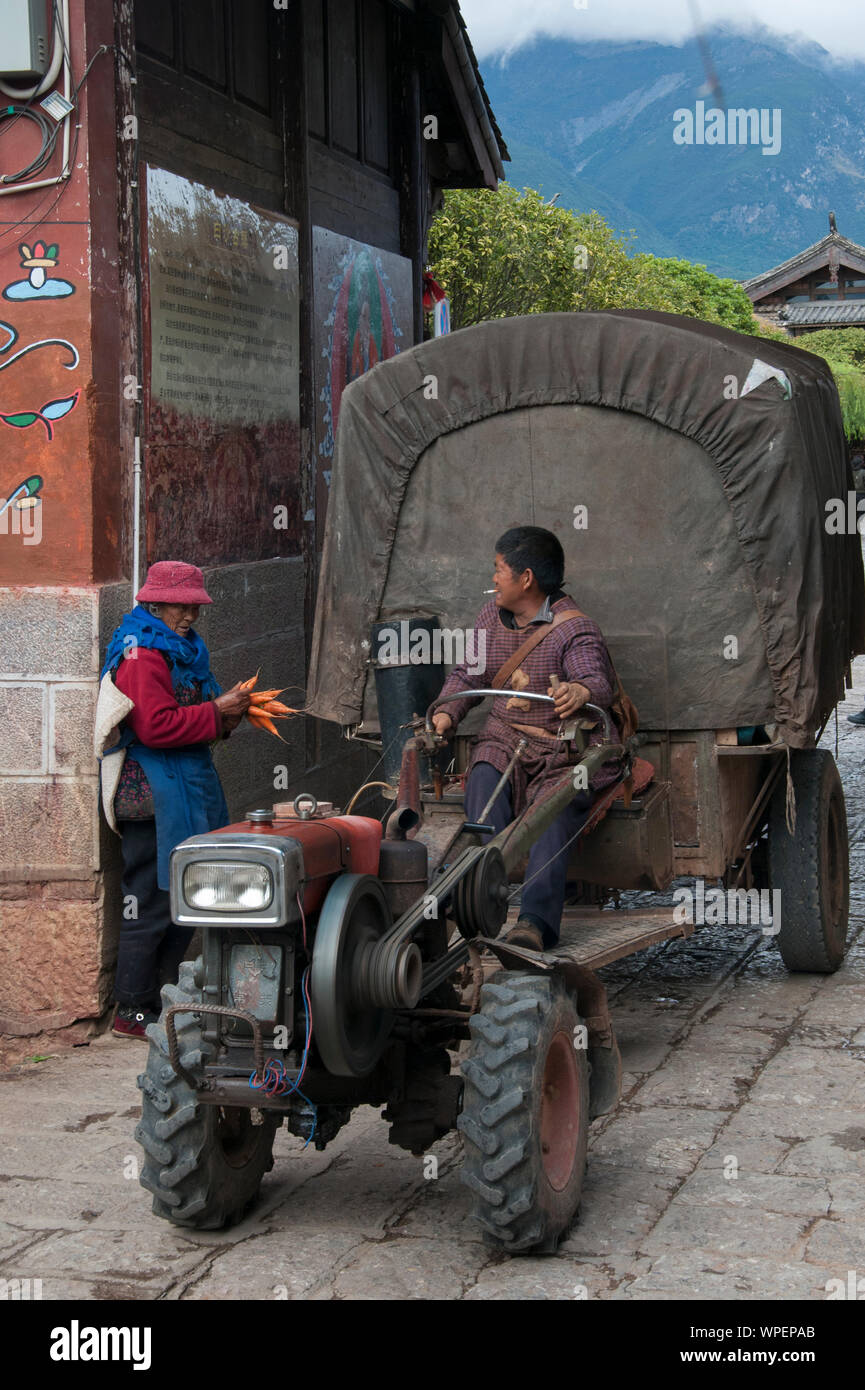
(347, 960)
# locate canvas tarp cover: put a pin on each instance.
(707, 512)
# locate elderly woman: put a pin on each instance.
(159, 784)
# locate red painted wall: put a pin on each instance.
(59, 371)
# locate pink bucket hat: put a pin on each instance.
(173, 581)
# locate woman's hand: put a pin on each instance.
(233, 704)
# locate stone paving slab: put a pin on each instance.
(692, 1275)
(658, 1139)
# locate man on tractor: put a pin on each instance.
(540, 642)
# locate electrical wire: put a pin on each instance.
(49, 142)
(275, 1081)
(29, 221)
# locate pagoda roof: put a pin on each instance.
(812, 258)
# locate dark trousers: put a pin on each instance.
(543, 897)
(151, 947)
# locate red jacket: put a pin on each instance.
(158, 721)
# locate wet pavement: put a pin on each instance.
(734, 1166)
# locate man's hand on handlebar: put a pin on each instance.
(569, 696)
(442, 723)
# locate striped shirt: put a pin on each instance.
(575, 651)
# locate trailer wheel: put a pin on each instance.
(525, 1112)
(203, 1163)
(811, 868)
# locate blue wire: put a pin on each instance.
(270, 1067)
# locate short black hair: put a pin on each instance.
(533, 548)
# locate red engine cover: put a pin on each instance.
(331, 845)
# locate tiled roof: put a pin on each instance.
(826, 312)
(501, 149)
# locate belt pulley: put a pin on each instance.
(349, 1030)
(480, 898)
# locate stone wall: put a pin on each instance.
(59, 863)
(52, 886)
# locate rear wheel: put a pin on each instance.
(203, 1163)
(525, 1112)
(811, 868)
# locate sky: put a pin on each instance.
(499, 25)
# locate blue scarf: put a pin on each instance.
(188, 656)
(187, 795)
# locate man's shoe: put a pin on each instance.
(856, 718)
(525, 933)
(130, 1022)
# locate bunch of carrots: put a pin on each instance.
(264, 707)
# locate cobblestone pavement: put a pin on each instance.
(730, 1063)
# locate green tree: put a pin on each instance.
(699, 294)
(836, 345)
(844, 351)
(502, 254)
(508, 253)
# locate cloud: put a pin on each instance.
(497, 26)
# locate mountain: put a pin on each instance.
(594, 122)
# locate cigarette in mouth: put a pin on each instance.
(489, 591)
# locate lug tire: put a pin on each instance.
(525, 1112)
(203, 1164)
(811, 868)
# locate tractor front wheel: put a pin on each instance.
(525, 1112)
(203, 1163)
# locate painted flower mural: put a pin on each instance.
(37, 261)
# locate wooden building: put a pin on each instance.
(231, 227)
(821, 287)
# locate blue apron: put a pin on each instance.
(187, 796)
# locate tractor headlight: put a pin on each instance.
(225, 887)
(235, 879)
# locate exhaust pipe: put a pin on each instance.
(406, 814)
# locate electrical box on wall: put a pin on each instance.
(24, 40)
